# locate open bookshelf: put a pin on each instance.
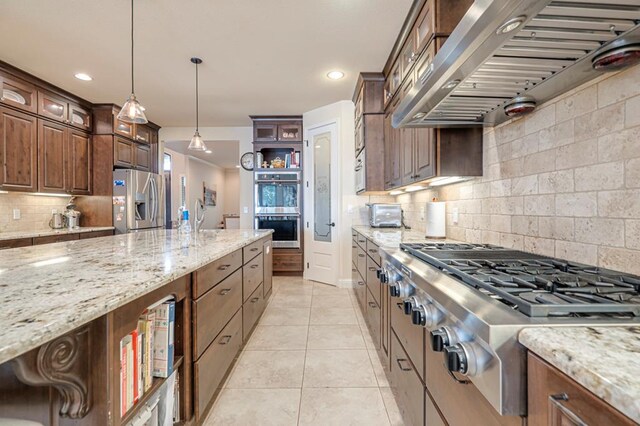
(125, 319)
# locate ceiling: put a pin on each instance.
(260, 56)
(225, 154)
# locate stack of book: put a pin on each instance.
(146, 352)
(292, 161)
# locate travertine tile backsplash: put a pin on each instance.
(35, 211)
(564, 181)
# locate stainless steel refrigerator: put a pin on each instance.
(138, 201)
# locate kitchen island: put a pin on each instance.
(49, 292)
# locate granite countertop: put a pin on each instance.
(605, 360)
(392, 237)
(48, 232)
(51, 289)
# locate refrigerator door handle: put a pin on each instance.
(154, 203)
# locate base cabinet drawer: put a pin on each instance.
(361, 262)
(211, 274)
(212, 366)
(431, 414)
(407, 386)
(267, 280)
(252, 275)
(460, 404)
(252, 250)
(373, 282)
(373, 252)
(15, 243)
(214, 309)
(410, 335)
(55, 239)
(251, 311)
(287, 261)
(372, 317)
(360, 288)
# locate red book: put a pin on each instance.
(134, 339)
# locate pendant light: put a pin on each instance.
(197, 144)
(132, 111)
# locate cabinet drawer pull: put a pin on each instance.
(254, 266)
(400, 306)
(255, 299)
(373, 304)
(371, 268)
(225, 340)
(360, 283)
(403, 368)
(224, 267)
(224, 291)
(556, 402)
(360, 255)
(373, 251)
(254, 249)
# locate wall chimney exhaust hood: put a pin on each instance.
(506, 50)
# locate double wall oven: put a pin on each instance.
(278, 205)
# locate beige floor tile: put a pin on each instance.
(368, 341)
(338, 368)
(378, 369)
(346, 406)
(278, 337)
(335, 337)
(284, 300)
(392, 407)
(276, 315)
(333, 316)
(329, 290)
(336, 301)
(268, 369)
(278, 407)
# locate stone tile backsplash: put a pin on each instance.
(35, 211)
(563, 181)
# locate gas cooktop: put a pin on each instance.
(535, 285)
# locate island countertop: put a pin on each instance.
(605, 360)
(49, 290)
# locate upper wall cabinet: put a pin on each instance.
(274, 129)
(18, 151)
(60, 109)
(18, 94)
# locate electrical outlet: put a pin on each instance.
(455, 215)
(16, 214)
(422, 212)
(350, 209)
(54, 211)
(245, 210)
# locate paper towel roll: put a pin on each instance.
(436, 219)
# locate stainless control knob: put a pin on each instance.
(382, 275)
(440, 339)
(426, 315)
(401, 289)
(456, 359)
(409, 304)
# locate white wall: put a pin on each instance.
(244, 135)
(232, 191)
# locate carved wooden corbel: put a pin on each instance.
(63, 364)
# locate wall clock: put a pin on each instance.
(246, 161)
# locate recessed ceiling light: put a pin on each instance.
(84, 77)
(451, 84)
(335, 75)
(208, 151)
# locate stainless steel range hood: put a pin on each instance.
(483, 66)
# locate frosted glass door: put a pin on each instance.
(322, 187)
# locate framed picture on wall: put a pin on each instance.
(210, 195)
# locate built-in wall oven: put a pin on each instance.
(277, 201)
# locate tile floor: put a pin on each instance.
(310, 361)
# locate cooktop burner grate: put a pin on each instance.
(535, 285)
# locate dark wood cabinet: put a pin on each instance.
(424, 146)
(142, 134)
(122, 128)
(407, 151)
(79, 117)
(123, 153)
(557, 400)
(393, 173)
(17, 93)
(52, 106)
(18, 151)
(290, 132)
(52, 156)
(64, 159)
(265, 132)
(142, 157)
(79, 162)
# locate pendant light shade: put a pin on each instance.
(132, 111)
(197, 144)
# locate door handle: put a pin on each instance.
(333, 224)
